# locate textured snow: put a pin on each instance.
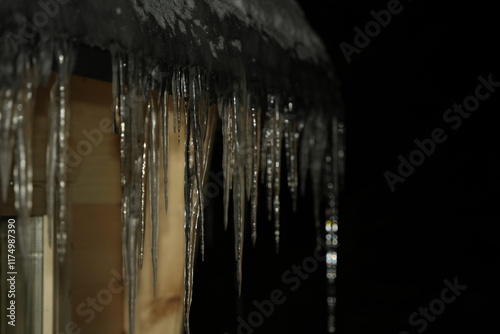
(282, 20)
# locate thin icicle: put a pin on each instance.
(59, 118)
(115, 84)
(153, 171)
(23, 169)
(132, 119)
(164, 143)
(248, 113)
(185, 94)
(131, 263)
(120, 65)
(278, 126)
(240, 148)
(143, 182)
(6, 138)
(255, 151)
(228, 156)
(194, 105)
(291, 135)
(177, 94)
(269, 156)
(191, 217)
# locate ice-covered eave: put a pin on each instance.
(271, 40)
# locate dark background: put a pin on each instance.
(396, 248)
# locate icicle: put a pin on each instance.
(228, 155)
(190, 214)
(120, 65)
(144, 179)
(255, 152)
(153, 170)
(291, 135)
(271, 161)
(164, 143)
(59, 118)
(176, 91)
(132, 141)
(131, 263)
(208, 123)
(197, 138)
(278, 126)
(269, 155)
(247, 113)
(23, 169)
(240, 149)
(6, 138)
(115, 83)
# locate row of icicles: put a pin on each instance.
(255, 132)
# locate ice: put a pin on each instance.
(153, 172)
(291, 134)
(255, 130)
(23, 168)
(240, 149)
(266, 108)
(258, 128)
(59, 120)
(164, 118)
(133, 145)
(176, 90)
(228, 153)
(278, 126)
(6, 138)
(271, 161)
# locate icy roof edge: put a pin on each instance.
(282, 21)
(256, 40)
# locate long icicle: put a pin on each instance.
(59, 118)
(132, 120)
(144, 179)
(23, 169)
(278, 126)
(291, 136)
(255, 151)
(153, 171)
(269, 156)
(6, 138)
(228, 156)
(189, 221)
(164, 112)
(120, 65)
(194, 84)
(140, 143)
(238, 130)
